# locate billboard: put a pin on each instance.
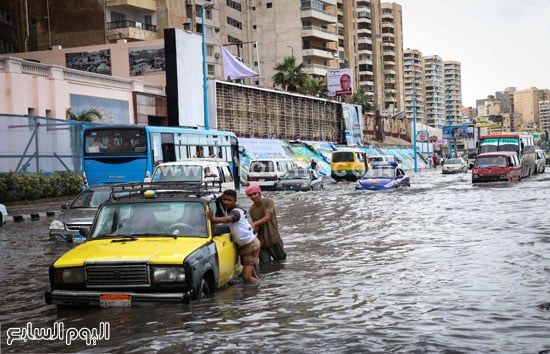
(488, 121)
(353, 124)
(339, 82)
(459, 132)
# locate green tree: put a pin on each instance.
(84, 116)
(290, 76)
(314, 87)
(360, 97)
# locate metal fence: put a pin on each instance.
(32, 144)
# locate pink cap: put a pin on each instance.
(253, 188)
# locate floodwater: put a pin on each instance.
(443, 266)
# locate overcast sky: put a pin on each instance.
(499, 43)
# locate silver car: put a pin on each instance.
(457, 165)
(300, 179)
(78, 214)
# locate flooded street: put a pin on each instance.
(443, 266)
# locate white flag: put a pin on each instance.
(233, 68)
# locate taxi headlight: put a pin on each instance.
(69, 275)
(168, 274)
(56, 225)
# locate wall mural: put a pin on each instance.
(98, 62)
(112, 111)
(146, 61)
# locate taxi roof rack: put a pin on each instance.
(198, 189)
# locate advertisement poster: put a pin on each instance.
(353, 124)
(339, 82)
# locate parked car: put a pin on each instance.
(78, 214)
(540, 161)
(267, 172)
(215, 172)
(3, 214)
(454, 165)
(301, 179)
(153, 243)
(501, 166)
(382, 176)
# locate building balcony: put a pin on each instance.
(320, 33)
(311, 13)
(131, 31)
(316, 69)
(149, 5)
(318, 53)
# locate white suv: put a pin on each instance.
(205, 170)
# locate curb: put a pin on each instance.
(32, 216)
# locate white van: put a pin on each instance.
(267, 172)
(383, 159)
(210, 170)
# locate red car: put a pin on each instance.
(496, 167)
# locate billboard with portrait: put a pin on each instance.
(339, 82)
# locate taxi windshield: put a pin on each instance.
(171, 218)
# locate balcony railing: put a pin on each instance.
(131, 24)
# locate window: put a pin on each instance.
(211, 69)
(234, 23)
(269, 5)
(209, 50)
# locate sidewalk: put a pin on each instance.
(35, 209)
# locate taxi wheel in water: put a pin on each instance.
(203, 290)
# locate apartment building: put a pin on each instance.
(453, 92)
(413, 70)
(392, 57)
(435, 91)
(544, 115)
(526, 108)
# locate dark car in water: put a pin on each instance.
(78, 214)
(300, 179)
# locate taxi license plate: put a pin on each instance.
(261, 179)
(115, 300)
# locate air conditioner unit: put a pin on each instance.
(217, 55)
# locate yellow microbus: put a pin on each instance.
(348, 165)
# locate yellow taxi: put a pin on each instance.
(148, 242)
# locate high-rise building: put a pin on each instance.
(435, 91)
(392, 57)
(413, 69)
(452, 82)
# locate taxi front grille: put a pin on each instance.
(117, 275)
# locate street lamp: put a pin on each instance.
(414, 125)
(292, 49)
(450, 125)
(204, 81)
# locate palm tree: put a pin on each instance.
(314, 87)
(289, 75)
(361, 98)
(84, 116)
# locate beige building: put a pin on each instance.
(526, 108)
